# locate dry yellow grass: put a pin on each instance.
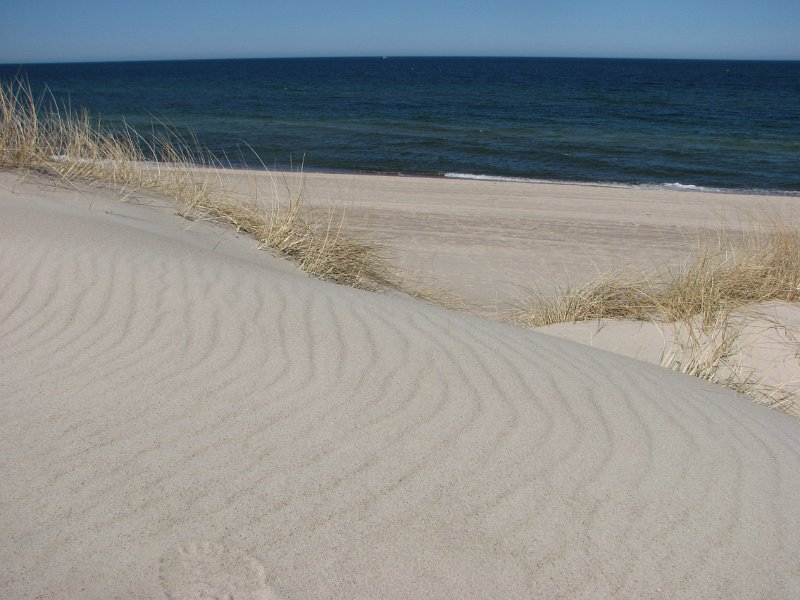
(620, 293)
(36, 134)
(712, 351)
(696, 299)
(762, 265)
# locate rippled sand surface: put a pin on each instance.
(181, 415)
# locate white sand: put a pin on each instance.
(491, 242)
(181, 415)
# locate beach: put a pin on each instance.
(492, 242)
(185, 415)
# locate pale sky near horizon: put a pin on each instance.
(95, 30)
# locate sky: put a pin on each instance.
(94, 30)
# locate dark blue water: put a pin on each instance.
(715, 124)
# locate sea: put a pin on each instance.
(682, 124)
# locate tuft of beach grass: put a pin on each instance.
(713, 352)
(761, 265)
(697, 300)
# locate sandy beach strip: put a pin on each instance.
(489, 242)
(182, 414)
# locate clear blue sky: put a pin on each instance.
(79, 30)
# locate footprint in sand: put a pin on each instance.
(213, 572)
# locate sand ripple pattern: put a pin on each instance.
(175, 421)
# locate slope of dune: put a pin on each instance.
(182, 415)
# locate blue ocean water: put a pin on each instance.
(712, 124)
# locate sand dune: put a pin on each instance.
(181, 414)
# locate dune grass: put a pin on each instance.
(713, 352)
(763, 264)
(37, 134)
(697, 300)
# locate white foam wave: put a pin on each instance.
(675, 186)
(479, 177)
(489, 177)
(686, 186)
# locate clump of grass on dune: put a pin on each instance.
(697, 300)
(66, 144)
(617, 294)
(712, 351)
(35, 134)
(319, 245)
(763, 265)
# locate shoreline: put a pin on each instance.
(667, 186)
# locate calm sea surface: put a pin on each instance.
(713, 124)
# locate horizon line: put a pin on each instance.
(390, 56)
